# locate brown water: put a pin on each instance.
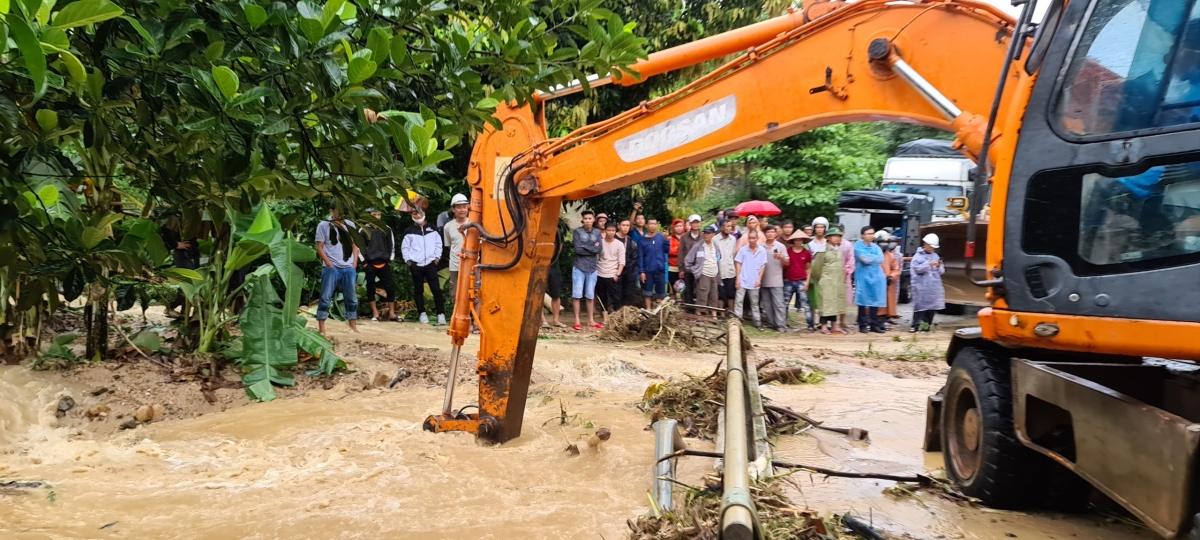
(338, 464)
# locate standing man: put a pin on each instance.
(703, 262)
(795, 279)
(554, 282)
(929, 294)
(339, 256)
(630, 291)
(786, 229)
(771, 293)
(601, 222)
(639, 223)
(609, 266)
(583, 273)
(422, 248)
(381, 251)
(750, 263)
(870, 290)
(829, 275)
(453, 237)
(652, 263)
(891, 270)
(686, 243)
(726, 244)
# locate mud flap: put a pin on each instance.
(933, 423)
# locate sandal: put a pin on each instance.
(598, 326)
(374, 319)
(578, 326)
(825, 331)
(560, 325)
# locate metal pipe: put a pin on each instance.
(923, 87)
(667, 440)
(448, 402)
(737, 508)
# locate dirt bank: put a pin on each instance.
(338, 462)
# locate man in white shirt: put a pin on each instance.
(453, 237)
(750, 262)
(339, 268)
(422, 249)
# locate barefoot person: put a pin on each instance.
(339, 256)
(829, 273)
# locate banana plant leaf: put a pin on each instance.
(268, 340)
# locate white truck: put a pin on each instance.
(930, 167)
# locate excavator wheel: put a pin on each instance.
(983, 456)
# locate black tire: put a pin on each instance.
(983, 457)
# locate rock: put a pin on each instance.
(145, 413)
(130, 424)
(98, 412)
(65, 404)
(99, 391)
(160, 412)
(381, 380)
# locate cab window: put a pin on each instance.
(1136, 66)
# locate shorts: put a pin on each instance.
(583, 284)
(728, 289)
(379, 279)
(654, 285)
(554, 283)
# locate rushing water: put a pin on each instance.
(338, 464)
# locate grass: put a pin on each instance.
(912, 352)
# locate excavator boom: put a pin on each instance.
(834, 63)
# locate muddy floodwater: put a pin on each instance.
(342, 462)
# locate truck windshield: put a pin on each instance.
(940, 194)
(1136, 66)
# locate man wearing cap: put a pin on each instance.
(452, 236)
(601, 222)
(829, 275)
(929, 295)
(339, 256)
(795, 279)
(703, 262)
(381, 251)
(422, 248)
(688, 241)
(750, 262)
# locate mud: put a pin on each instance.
(343, 462)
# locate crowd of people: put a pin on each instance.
(748, 267)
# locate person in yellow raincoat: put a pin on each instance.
(829, 275)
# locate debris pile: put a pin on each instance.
(667, 325)
(696, 402)
(700, 515)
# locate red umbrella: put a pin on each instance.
(758, 208)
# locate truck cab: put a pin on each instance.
(929, 167)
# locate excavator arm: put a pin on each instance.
(929, 63)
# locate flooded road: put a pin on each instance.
(343, 463)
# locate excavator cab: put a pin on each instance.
(1094, 260)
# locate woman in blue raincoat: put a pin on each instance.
(870, 284)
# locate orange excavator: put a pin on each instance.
(1084, 130)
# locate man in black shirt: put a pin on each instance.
(380, 252)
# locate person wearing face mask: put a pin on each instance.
(929, 294)
(422, 248)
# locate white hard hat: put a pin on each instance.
(694, 217)
(882, 235)
(458, 199)
(931, 239)
(821, 221)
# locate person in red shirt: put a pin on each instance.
(677, 232)
(795, 276)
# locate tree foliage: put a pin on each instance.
(210, 109)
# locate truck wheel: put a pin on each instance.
(983, 456)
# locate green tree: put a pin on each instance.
(213, 108)
(803, 174)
